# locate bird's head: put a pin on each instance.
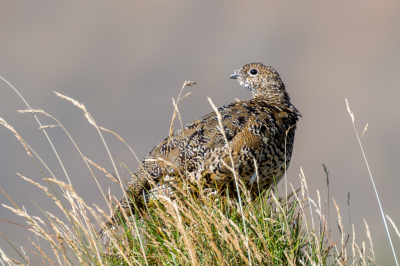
(262, 80)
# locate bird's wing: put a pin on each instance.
(242, 121)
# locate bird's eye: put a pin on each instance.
(253, 71)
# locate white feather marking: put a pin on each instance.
(253, 178)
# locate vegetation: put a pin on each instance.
(196, 227)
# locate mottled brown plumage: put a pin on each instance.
(257, 130)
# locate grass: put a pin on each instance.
(198, 227)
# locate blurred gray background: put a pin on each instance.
(125, 60)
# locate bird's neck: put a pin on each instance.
(273, 95)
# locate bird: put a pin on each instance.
(256, 141)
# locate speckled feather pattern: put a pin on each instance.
(257, 130)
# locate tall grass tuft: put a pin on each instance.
(198, 227)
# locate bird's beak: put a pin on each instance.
(234, 75)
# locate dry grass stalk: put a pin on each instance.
(26, 146)
(75, 102)
(232, 168)
(344, 254)
(364, 250)
(61, 184)
(365, 129)
(67, 231)
(28, 149)
(4, 123)
(310, 260)
(112, 178)
(36, 229)
(4, 257)
(48, 126)
(289, 259)
(370, 240)
(31, 111)
(319, 207)
(91, 121)
(121, 139)
(284, 214)
(59, 248)
(361, 257)
(303, 180)
(394, 226)
(55, 151)
(76, 146)
(176, 111)
(42, 252)
(207, 225)
(353, 246)
(175, 213)
(373, 183)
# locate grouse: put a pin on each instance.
(260, 134)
